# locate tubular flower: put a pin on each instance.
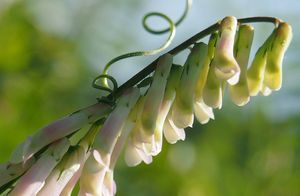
(224, 63)
(34, 179)
(281, 41)
(182, 110)
(202, 111)
(150, 136)
(170, 131)
(155, 94)
(239, 92)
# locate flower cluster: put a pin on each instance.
(49, 164)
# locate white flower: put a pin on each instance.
(182, 109)
(225, 66)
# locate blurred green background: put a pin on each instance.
(50, 51)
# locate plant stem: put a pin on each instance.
(151, 67)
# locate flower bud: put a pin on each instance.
(273, 73)
(182, 109)
(34, 179)
(239, 93)
(256, 72)
(225, 66)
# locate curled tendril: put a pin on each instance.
(172, 29)
(104, 88)
(183, 16)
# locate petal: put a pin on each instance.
(266, 91)
(132, 158)
(239, 94)
(203, 112)
(173, 133)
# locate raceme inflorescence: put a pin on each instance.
(83, 148)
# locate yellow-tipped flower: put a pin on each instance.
(281, 41)
(239, 93)
(225, 66)
(256, 72)
(182, 109)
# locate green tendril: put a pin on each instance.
(172, 29)
(104, 88)
(183, 16)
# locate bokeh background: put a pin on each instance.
(50, 51)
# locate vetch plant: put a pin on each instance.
(137, 115)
